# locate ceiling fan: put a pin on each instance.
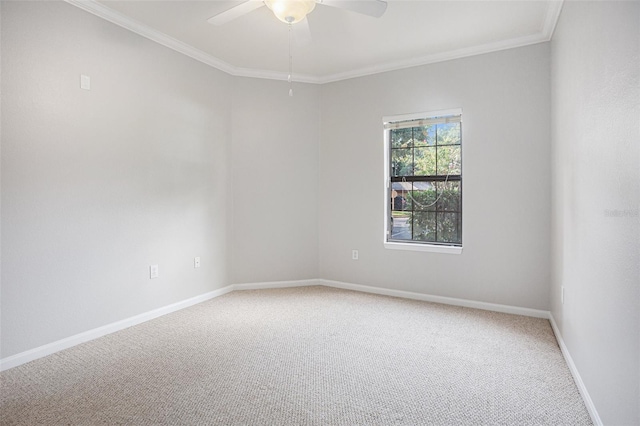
(294, 11)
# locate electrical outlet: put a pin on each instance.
(354, 254)
(196, 262)
(153, 271)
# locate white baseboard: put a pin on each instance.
(39, 352)
(276, 284)
(591, 408)
(50, 348)
(439, 299)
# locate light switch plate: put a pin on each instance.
(85, 82)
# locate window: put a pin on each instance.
(423, 161)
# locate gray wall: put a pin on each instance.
(274, 171)
(97, 185)
(596, 199)
(506, 178)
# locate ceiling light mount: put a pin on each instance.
(291, 11)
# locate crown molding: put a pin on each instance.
(98, 9)
(276, 75)
(132, 25)
(553, 14)
(438, 57)
(545, 35)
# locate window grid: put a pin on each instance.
(438, 212)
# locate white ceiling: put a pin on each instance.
(344, 44)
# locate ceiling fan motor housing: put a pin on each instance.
(291, 11)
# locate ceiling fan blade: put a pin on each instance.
(235, 12)
(302, 33)
(375, 8)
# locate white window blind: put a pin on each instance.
(422, 122)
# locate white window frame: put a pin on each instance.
(414, 246)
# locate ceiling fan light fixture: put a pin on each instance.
(290, 11)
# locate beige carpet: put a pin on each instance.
(305, 356)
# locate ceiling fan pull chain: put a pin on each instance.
(290, 64)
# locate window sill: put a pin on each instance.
(423, 247)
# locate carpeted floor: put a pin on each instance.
(305, 356)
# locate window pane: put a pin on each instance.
(423, 196)
(401, 162)
(448, 134)
(425, 161)
(401, 138)
(449, 196)
(449, 160)
(424, 136)
(424, 226)
(401, 225)
(448, 227)
(399, 192)
(425, 204)
(431, 134)
(407, 198)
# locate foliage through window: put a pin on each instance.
(424, 189)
